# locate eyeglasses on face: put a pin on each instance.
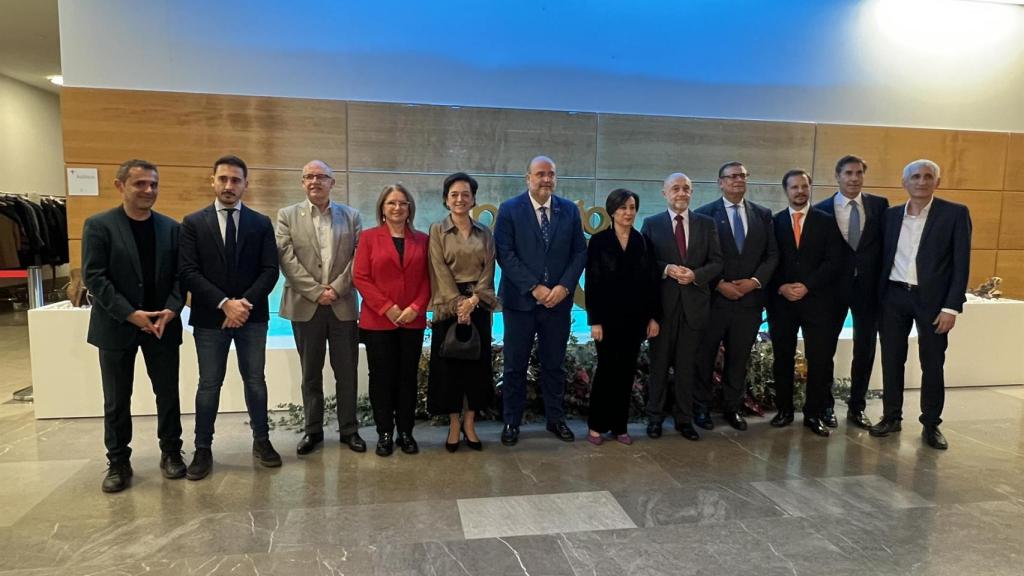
(316, 177)
(737, 176)
(396, 204)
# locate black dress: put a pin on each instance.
(621, 296)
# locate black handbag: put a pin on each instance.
(461, 342)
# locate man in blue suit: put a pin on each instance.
(926, 259)
(541, 251)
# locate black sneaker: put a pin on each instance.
(172, 465)
(202, 463)
(264, 451)
(119, 477)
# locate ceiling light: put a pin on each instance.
(58, 79)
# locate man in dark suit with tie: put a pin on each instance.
(858, 216)
(541, 250)
(687, 256)
(228, 262)
(749, 257)
(801, 295)
(926, 259)
(129, 265)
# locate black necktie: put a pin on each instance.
(230, 240)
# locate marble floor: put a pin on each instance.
(761, 502)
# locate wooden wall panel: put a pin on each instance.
(969, 160)
(652, 147)
(1010, 267)
(985, 207)
(983, 267)
(1011, 228)
(1015, 163)
(178, 129)
(445, 139)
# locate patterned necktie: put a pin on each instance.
(545, 225)
(738, 234)
(797, 216)
(230, 239)
(853, 236)
(680, 237)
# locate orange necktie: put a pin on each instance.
(796, 227)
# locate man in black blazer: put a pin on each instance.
(802, 296)
(688, 257)
(129, 265)
(926, 259)
(749, 256)
(228, 262)
(858, 217)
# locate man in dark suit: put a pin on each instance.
(316, 243)
(748, 260)
(926, 259)
(541, 250)
(858, 217)
(687, 256)
(129, 264)
(228, 262)
(802, 296)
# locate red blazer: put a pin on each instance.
(383, 282)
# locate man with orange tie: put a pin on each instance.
(801, 295)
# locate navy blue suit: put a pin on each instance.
(526, 261)
(943, 264)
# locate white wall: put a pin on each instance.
(31, 148)
(931, 63)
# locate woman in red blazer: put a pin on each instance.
(392, 278)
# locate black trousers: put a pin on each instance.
(901, 309)
(613, 379)
(785, 320)
(453, 382)
(311, 340)
(117, 372)
(393, 358)
(676, 346)
(736, 326)
(864, 308)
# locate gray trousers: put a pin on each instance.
(311, 340)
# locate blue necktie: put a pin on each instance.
(853, 233)
(737, 228)
(545, 232)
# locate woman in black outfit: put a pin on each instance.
(622, 309)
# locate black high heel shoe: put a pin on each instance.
(478, 445)
(451, 446)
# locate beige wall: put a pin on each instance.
(31, 153)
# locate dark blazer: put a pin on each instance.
(816, 264)
(112, 272)
(866, 261)
(383, 281)
(203, 270)
(703, 256)
(943, 257)
(523, 256)
(621, 285)
(760, 254)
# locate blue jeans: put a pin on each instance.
(212, 347)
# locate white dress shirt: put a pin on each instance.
(904, 264)
(323, 225)
(803, 219)
(222, 217)
(842, 209)
(731, 213)
(537, 206)
(686, 230)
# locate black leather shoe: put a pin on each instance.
(736, 420)
(688, 431)
(783, 418)
(309, 443)
(510, 435)
(817, 426)
(828, 418)
(703, 419)
(885, 427)
(478, 445)
(172, 465)
(934, 438)
(407, 443)
(202, 463)
(264, 452)
(562, 431)
(654, 430)
(385, 444)
(355, 442)
(119, 477)
(858, 418)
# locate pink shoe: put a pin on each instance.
(624, 439)
(595, 440)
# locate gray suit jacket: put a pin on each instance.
(299, 253)
(703, 256)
